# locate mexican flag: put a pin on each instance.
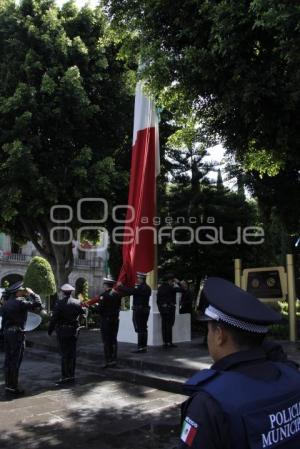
(188, 433)
(138, 240)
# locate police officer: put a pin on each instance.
(19, 300)
(250, 398)
(108, 306)
(166, 302)
(141, 295)
(65, 321)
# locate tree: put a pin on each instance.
(65, 122)
(237, 64)
(40, 278)
(85, 291)
(194, 202)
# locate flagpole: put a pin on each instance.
(152, 276)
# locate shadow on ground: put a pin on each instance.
(126, 428)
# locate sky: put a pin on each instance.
(217, 154)
(80, 3)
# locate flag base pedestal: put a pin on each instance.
(181, 328)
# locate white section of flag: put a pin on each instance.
(145, 116)
(185, 431)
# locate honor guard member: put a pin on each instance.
(166, 302)
(141, 295)
(247, 400)
(19, 300)
(109, 304)
(186, 300)
(65, 321)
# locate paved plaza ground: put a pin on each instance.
(136, 406)
(95, 413)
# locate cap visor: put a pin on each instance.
(203, 318)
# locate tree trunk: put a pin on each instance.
(60, 257)
(61, 275)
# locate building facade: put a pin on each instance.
(88, 265)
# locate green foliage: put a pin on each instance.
(284, 308)
(39, 277)
(236, 65)
(189, 192)
(262, 161)
(85, 291)
(65, 119)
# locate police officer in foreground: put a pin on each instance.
(250, 398)
(108, 306)
(166, 302)
(65, 321)
(19, 300)
(141, 295)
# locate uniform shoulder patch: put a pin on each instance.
(189, 431)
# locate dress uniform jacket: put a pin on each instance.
(64, 321)
(14, 315)
(141, 294)
(14, 311)
(141, 310)
(109, 308)
(65, 317)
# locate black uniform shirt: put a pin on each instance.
(109, 304)
(213, 431)
(141, 294)
(166, 294)
(14, 310)
(186, 301)
(66, 311)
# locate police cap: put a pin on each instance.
(108, 281)
(15, 287)
(230, 304)
(67, 288)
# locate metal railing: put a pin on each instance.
(25, 258)
(95, 262)
(19, 258)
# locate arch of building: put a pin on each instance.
(75, 279)
(79, 285)
(12, 276)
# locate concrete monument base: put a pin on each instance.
(181, 328)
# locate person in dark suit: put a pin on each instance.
(141, 296)
(108, 305)
(186, 300)
(19, 300)
(65, 321)
(166, 302)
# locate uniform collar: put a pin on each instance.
(239, 358)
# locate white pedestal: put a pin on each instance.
(181, 328)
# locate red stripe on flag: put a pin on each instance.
(139, 254)
(191, 436)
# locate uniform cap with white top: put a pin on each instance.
(108, 281)
(67, 288)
